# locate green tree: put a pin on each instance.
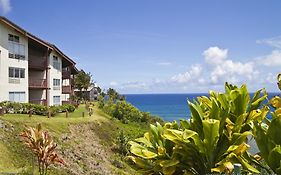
(113, 94)
(83, 81)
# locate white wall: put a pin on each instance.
(6, 62)
(57, 74)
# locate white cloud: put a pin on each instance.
(189, 76)
(5, 6)
(217, 69)
(274, 42)
(232, 71)
(273, 59)
(215, 55)
(164, 63)
(113, 83)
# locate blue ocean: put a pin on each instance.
(167, 106)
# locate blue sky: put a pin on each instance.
(161, 46)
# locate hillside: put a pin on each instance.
(87, 144)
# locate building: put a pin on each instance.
(89, 94)
(31, 69)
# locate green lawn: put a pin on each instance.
(14, 157)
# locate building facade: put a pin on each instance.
(33, 70)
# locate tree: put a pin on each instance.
(113, 94)
(82, 81)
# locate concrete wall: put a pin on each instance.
(54, 74)
(6, 62)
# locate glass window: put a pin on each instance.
(17, 96)
(16, 50)
(56, 63)
(13, 38)
(22, 73)
(56, 100)
(16, 72)
(56, 82)
(11, 72)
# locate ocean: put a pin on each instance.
(167, 106)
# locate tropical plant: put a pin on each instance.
(213, 140)
(43, 146)
(267, 136)
(82, 81)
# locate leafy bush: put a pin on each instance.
(126, 112)
(43, 146)
(25, 108)
(267, 136)
(67, 107)
(212, 141)
(122, 141)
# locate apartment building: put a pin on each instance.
(33, 70)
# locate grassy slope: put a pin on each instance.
(85, 142)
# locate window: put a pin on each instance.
(56, 84)
(56, 63)
(56, 100)
(14, 38)
(16, 72)
(16, 50)
(17, 96)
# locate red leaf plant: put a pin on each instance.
(43, 146)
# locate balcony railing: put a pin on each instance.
(66, 74)
(66, 90)
(39, 63)
(37, 83)
(40, 102)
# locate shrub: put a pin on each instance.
(267, 137)
(122, 141)
(24, 108)
(211, 142)
(43, 146)
(67, 107)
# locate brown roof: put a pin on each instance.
(35, 38)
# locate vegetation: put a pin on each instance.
(267, 136)
(43, 146)
(212, 141)
(117, 107)
(86, 144)
(29, 108)
(82, 81)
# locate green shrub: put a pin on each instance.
(24, 108)
(67, 107)
(212, 141)
(267, 137)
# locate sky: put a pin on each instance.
(161, 46)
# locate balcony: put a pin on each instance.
(37, 63)
(66, 74)
(66, 90)
(38, 83)
(39, 102)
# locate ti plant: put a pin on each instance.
(213, 140)
(43, 146)
(267, 136)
